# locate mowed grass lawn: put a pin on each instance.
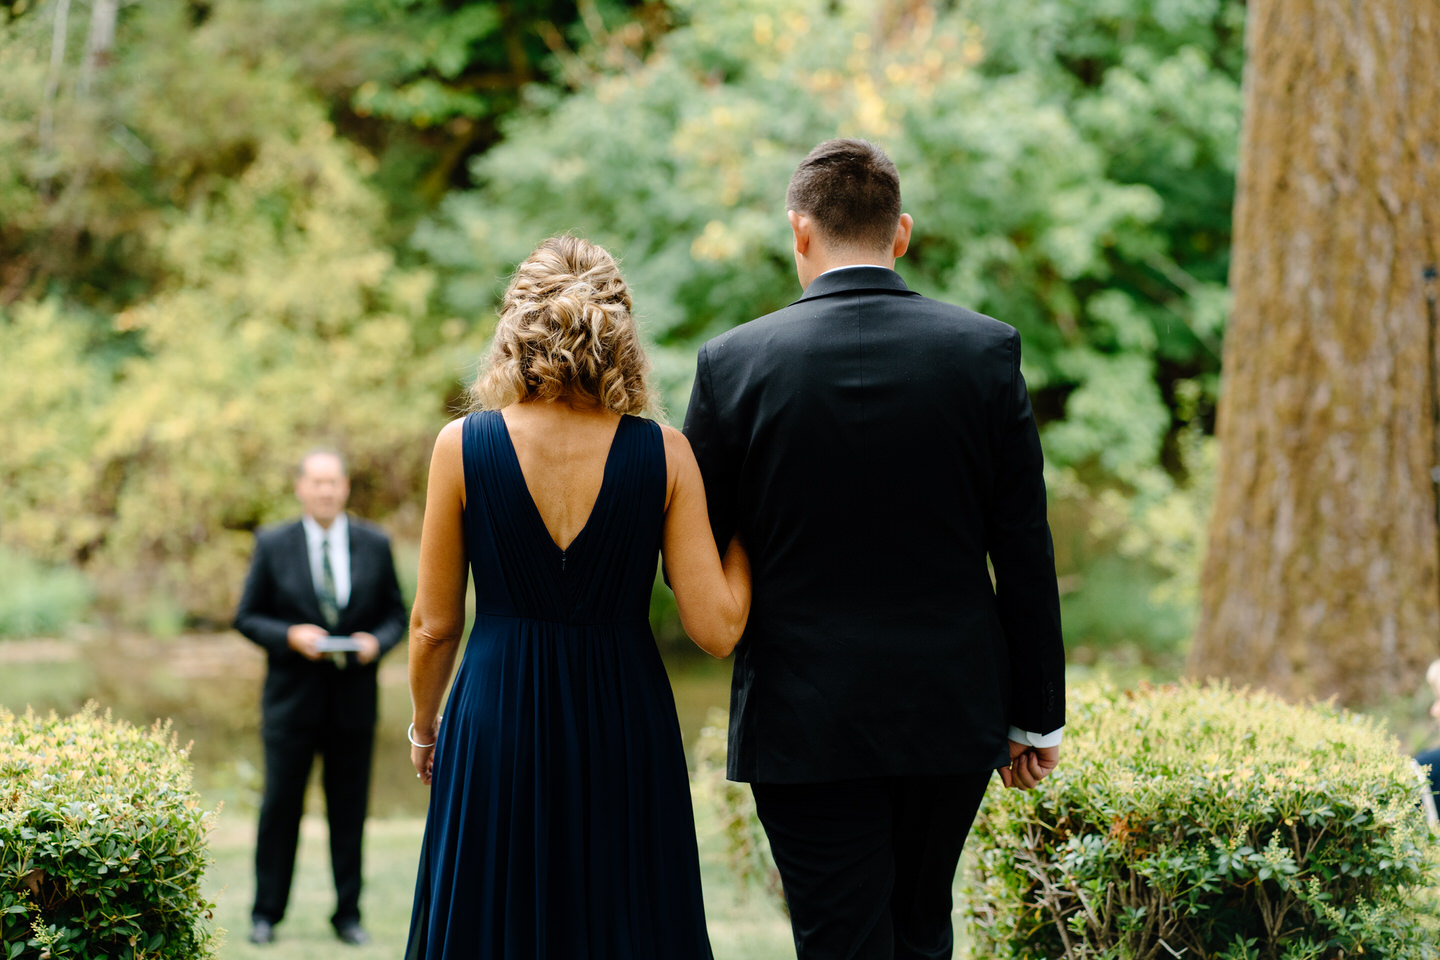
(742, 926)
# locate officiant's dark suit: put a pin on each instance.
(873, 447)
(317, 703)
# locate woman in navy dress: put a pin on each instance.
(560, 823)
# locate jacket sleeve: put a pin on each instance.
(1023, 557)
(394, 619)
(707, 434)
(253, 618)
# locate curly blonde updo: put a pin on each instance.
(566, 333)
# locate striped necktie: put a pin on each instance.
(329, 606)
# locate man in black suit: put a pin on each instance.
(873, 448)
(315, 583)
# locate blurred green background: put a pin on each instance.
(234, 229)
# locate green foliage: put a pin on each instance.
(36, 600)
(146, 434)
(446, 74)
(747, 849)
(199, 272)
(48, 411)
(1022, 207)
(102, 842)
(470, 61)
(1226, 824)
(1137, 550)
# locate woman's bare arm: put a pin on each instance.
(438, 618)
(713, 596)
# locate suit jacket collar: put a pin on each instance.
(854, 279)
(299, 551)
(297, 555)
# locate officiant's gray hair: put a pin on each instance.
(321, 452)
(851, 191)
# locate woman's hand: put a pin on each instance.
(423, 757)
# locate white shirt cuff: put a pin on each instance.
(1051, 739)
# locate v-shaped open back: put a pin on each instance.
(530, 490)
(609, 566)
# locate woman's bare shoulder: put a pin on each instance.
(679, 460)
(673, 437)
(451, 438)
(448, 457)
(677, 446)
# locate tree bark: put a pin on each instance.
(1323, 570)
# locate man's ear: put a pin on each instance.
(800, 226)
(902, 235)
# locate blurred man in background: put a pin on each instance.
(323, 600)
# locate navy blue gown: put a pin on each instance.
(560, 823)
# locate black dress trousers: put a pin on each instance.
(868, 865)
(345, 757)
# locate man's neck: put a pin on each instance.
(837, 261)
(825, 262)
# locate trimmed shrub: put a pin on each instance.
(1208, 822)
(102, 842)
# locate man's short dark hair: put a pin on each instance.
(851, 191)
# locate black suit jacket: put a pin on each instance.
(300, 695)
(873, 447)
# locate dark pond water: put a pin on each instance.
(209, 687)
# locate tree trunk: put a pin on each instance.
(1323, 570)
(100, 41)
(58, 39)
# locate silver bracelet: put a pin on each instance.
(410, 735)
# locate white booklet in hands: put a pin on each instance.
(337, 645)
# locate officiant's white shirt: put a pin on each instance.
(339, 538)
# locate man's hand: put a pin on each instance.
(369, 646)
(303, 637)
(1029, 765)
